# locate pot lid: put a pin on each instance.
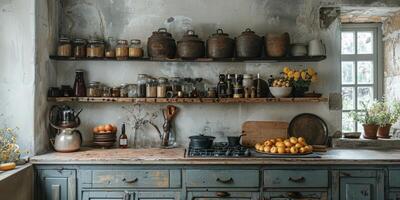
(190, 36)
(201, 137)
(248, 31)
(220, 32)
(161, 32)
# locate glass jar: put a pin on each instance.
(110, 48)
(247, 81)
(95, 49)
(151, 88)
(64, 47)
(176, 86)
(132, 91)
(79, 84)
(94, 89)
(141, 84)
(121, 50)
(162, 87)
(79, 48)
(106, 91)
(115, 91)
(212, 92)
(124, 90)
(135, 49)
(187, 87)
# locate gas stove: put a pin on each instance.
(220, 149)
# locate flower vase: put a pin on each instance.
(299, 91)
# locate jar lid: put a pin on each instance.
(190, 36)
(161, 32)
(96, 41)
(122, 41)
(220, 32)
(116, 88)
(247, 76)
(135, 41)
(79, 40)
(64, 39)
(94, 82)
(201, 137)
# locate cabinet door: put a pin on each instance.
(57, 184)
(165, 195)
(358, 188)
(296, 196)
(394, 196)
(107, 195)
(223, 195)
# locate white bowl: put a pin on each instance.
(280, 92)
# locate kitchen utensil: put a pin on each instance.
(191, 46)
(67, 140)
(248, 45)
(309, 126)
(277, 44)
(201, 141)
(259, 131)
(219, 45)
(161, 45)
(169, 113)
(298, 49)
(316, 48)
(64, 117)
(280, 92)
(234, 140)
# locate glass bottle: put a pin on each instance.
(123, 138)
(135, 49)
(121, 50)
(162, 87)
(238, 87)
(258, 88)
(79, 48)
(110, 50)
(64, 47)
(229, 85)
(141, 84)
(79, 84)
(221, 86)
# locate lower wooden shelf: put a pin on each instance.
(186, 100)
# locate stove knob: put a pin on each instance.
(228, 153)
(247, 152)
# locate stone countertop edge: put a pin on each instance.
(176, 156)
(6, 174)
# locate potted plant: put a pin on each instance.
(388, 114)
(300, 79)
(369, 120)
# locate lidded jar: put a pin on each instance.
(162, 87)
(135, 49)
(151, 88)
(121, 50)
(161, 45)
(94, 89)
(220, 45)
(79, 48)
(95, 49)
(248, 45)
(277, 44)
(141, 85)
(110, 48)
(64, 47)
(191, 46)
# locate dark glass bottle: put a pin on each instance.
(229, 85)
(79, 84)
(123, 138)
(221, 87)
(258, 88)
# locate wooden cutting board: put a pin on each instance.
(259, 131)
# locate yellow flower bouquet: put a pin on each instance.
(9, 150)
(300, 79)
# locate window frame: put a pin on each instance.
(376, 57)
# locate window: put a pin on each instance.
(361, 69)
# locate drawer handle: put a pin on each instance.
(222, 194)
(131, 181)
(297, 180)
(229, 181)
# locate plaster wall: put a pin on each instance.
(127, 19)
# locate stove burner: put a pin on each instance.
(220, 149)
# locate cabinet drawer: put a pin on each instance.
(136, 178)
(295, 178)
(394, 180)
(222, 178)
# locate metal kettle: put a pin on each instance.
(64, 117)
(67, 140)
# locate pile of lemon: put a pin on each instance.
(292, 145)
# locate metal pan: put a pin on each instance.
(309, 126)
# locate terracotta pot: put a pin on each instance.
(370, 131)
(383, 132)
(277, 45)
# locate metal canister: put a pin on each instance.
(276, 44)
(220, 45)
(161, 45)
(191, 46)
(248, 45)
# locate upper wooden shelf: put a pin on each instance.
(186, 100)
(262, 59)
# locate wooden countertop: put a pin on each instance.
(177, 156)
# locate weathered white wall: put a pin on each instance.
(137, 19)
(17, 68)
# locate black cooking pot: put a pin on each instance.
(234, 140)
(201, 141)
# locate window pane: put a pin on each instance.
(364, 95)
(348, 124)
(348, 44)
(360, 127)
(348, 73)
(365, 72)
(348, 94)
(364, 42)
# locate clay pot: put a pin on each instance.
(191, 46)
(370, 131)
(248, 45)
(161, 45)
(220, 45)
(277, 45)
(383, 132)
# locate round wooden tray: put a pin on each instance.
(300, 154)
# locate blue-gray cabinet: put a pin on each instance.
(231, 195)
(107, 195)
(56, 184)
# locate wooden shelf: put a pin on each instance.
(263, 59)
(186, 100)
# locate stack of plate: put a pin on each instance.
(105, 140)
